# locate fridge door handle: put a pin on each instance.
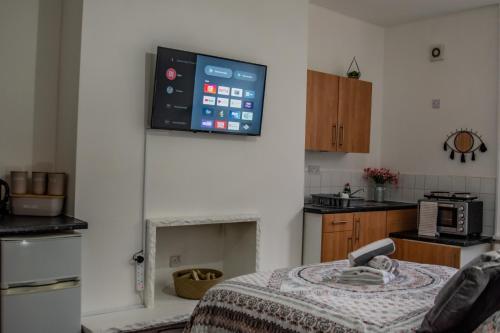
(40, 288)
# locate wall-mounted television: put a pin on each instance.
(201, 93)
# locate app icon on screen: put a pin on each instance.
(235, 115)
(208, 100)
(170, 90)
(233, 126)
(209, 88)
(221, 101)
(247, 116)
(208, 112)
(171, 74)
(207, 123)
(237, 92)
(248, 105)
(224, 90)
(249, 94)
(220, 124)
(221, 114)
(246, 126)
(236, 103)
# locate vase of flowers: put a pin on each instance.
(381, 177)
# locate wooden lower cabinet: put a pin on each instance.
(427, 253)
(336, 245)
(369, 227)
(330, 237)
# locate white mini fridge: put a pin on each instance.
(40, 284)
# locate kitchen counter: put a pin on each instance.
(359, 206)
(447, 240)
(16, 225)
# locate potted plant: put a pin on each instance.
(381, 177)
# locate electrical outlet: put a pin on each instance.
(313, 169)
(139, 276)
(175, 261)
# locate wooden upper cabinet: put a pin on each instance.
(369, 227)
(322, 105)
(354, 116)
(338, 113)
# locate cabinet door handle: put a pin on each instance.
(339, 222)
(341, 135)
(357, 229)
(349, 244)
(334, 135)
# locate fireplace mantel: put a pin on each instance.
(165, 222)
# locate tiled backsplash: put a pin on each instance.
(410, 188)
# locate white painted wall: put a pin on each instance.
(69, 78)
(187, 174)
(29, 60)
(334, 39)
(466, 82)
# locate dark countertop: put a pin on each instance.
(447, 240)
(359, 206)
(11, 225)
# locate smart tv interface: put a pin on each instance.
(195, 92)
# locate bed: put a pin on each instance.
(308, 299)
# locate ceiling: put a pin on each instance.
(393, 12)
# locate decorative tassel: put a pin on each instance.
(473, 156)
(462, 158)
(452, 155)
(483, 148)
(445, 147)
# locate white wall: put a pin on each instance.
(29, 60)
(466, 82)
(334, 39)
(187, 174)
(69, 77)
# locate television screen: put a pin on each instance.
(196, 92)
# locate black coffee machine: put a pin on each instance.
(4, 198)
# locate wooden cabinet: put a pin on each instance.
(401, 220)
(337, 236)
(369, 227)
(354, 115)
(322, 105)
(427, 253)
(338, 113)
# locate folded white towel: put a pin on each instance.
(384, 263)
(364, 275)
(363, 255)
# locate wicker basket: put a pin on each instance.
(186, 287)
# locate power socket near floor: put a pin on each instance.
(139, 271)
(175, 261)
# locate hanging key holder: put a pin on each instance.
(464, 142)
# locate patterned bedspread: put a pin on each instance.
(309, 299)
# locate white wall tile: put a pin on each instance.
(431, 183)
(344, 177)
(407, 181)
(408, 195)
(420, 182)
(315, 190)
(315, 180)
(488, 201)
(419, 194)
(488, 185)
(445, 183)
(488, 218)
(307, 179)
(459, 184)
(357, 179)
(326, 179)
(473, 184)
